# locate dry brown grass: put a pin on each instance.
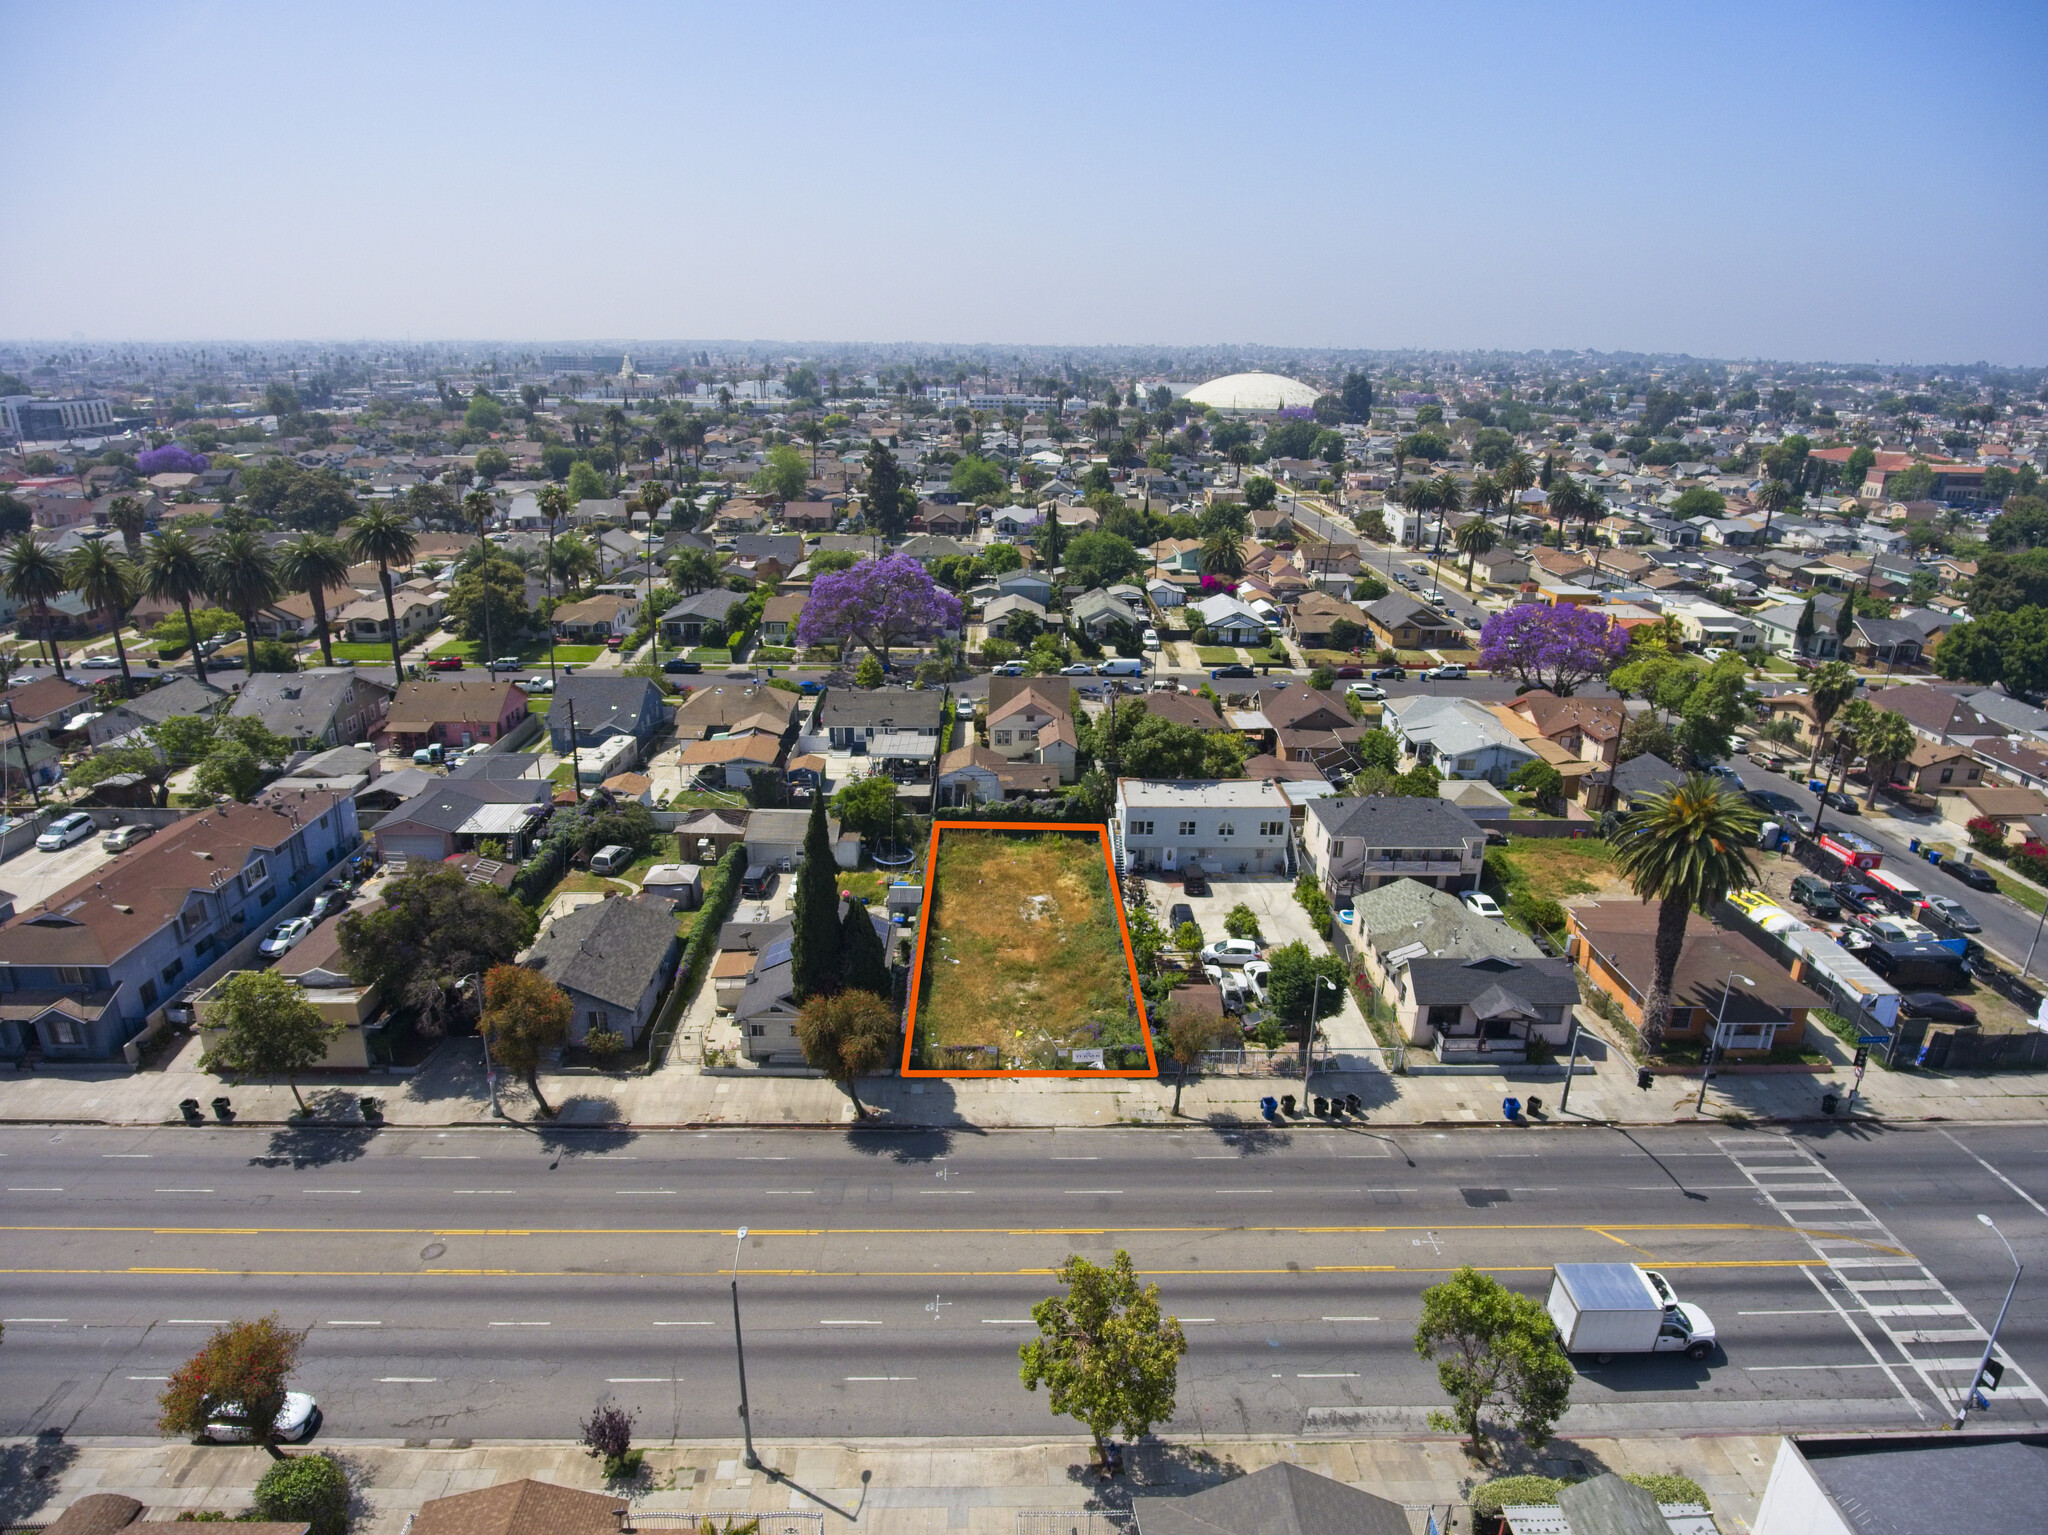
(1024, 957)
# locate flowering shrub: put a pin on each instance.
(171, 458)
(1986, 835)
(2031, 860)
(1552, 647)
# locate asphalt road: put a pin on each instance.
(497, 1283)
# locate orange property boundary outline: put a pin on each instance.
(924, 917)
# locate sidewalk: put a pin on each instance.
(888, 1487)
(450, 1089)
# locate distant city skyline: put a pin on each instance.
(1746, 182)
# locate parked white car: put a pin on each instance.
(64, 831)
(1480, 904)
(122, 838)
(285, 937)
(1257, 973)
(295, 1420)
(1231, 951)
(1371, 691)
(1149, 639)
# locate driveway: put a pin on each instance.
(35, 876)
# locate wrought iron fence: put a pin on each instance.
(719, 1522)
(1075, 1521)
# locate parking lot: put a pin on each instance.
(34, 876)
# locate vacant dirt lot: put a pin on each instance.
(1024, 959)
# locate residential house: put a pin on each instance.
(976, 775)
(328, 706)
(1223, 827)
(1936, 714)
(730, 761)
(1721, 974)
(44, 707)
(1501, 567)
(1885, 642)
(854, 716)
(81, 971)
(599, 706)
(765, 557)
(1705, 623)
(1778, 627)
(2020, 763)
(180, 696)
(1399, 622)
(1316, 614)
(1307, 725)
(522, 1507)
(1025, 583)
(1190, 709)
(455, 815)
(741, 943)
(1033, 723)
(1407, 918)
(453, 711)
(1279, 1498)
(1485, 1010)
(766, 1009)
(1229, 621)
(780, 617)
(1460, 737)
(1000, 613)
(1360, 842)
(775, 839)
(418, 609)
(1016, 522)
(1099, 614)
(614, 959)
(1589, 728)
(1640, 776)
(2010, 808)
(110, 1513)
(594, 620)
(810, 516)
(685, 623)
(734, 708)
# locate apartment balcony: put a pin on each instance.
(1413, 865)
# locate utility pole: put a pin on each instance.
(21, 752)
(751, 1460)
(1713, 1045)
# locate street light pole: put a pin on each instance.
(752, 1461)
(490, 1071)
(1308, 1032)
(1713, 1045)
(1990, 1343)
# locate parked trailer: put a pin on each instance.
(1604, 1309)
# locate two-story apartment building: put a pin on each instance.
(81, 972)
(1033, 722)
(1354, 843)
(1221, 826)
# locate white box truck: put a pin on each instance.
(1604, 1309)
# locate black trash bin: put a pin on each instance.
(189, 1107)
(1322, 1108)
(1535, 1108)
(1828, 1102)
(1354, 1103)
(1287, 1104)
(223, 1110)
(373, 1109)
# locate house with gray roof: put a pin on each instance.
(328, 706)
(2002, 709)
(454, 815)
(1356, 843)
(1459, 737)
(603, 706)
(684, 623)
(766, 1010)
(1098, 613)
(614, 959)
(853, 715)
(179, 696)
(1281, 1499)
(1406, 919)
(1485, 1010)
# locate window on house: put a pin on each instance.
(598, 1018)
(257, 872)
(1336, 847)
(1141, 828)
(70, 975)
(149, 993)
(172, 971)
(757, 1030)
(64, 1031)
(1272, 828)
(1225, 829)
(1444, 1017)
(1187, 828)
(1947, 774)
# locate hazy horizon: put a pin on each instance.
(1744, 183)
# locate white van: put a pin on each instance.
(1123, 666)
(607, 860)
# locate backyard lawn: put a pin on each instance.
(1024, 961)
(528, 650)
(1218, 655)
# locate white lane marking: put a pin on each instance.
(330, 1191)
(407, 1380)
(805, 1191)
(1091, 1191)
(881, 1377)
(1766, 1369)
(1696, 1188)
(639, 1380)
(14, 1189)
(522, 1324)
(1007, 1321)
(2039, 1209)
(184, 1191)
(1077, 1159)
(195, 1321)
(1195, 1319)
(1244, 1191)
(435, 1157)
(483, 1191)
(149, 1377)
(128, 1156)
(1809, 1311)
(682, 1324)
(1374, 1318)
(11, 1320)
(844, 1323)
(1870, 1348)
(1329, 1375)
(760, 1159)
(355, 1324)
(643, 1191)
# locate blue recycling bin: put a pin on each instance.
(1912, 844)
(1512, 1108)
(1269, 1106)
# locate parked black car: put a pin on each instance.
(1975, 875)
(1932, 1004)
(1953, 913)
(1385, 673)
(678, 664)
(1193, 883)
(1182, 912)
(1236, 669)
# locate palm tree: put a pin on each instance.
(480, 507)
(573, 560)
(1833, 686)
(1685, 849)
(1592, 507)
(1223, 554)
(1515, 475)
(173, 570)
(242, 576)
(35, 580)
(127, 516)
(1566, 497)
(106, 581)
(315, 564)
(814, 433)
(1485, 493)
(1448, 496)
(553, 501)
(1773, 496)
(1474, 539)
(1885, 743)
(379, 533)
(616, 427)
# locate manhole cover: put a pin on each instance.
(434, 1250)
(1479, 1199)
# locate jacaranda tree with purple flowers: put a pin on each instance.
(171, 458)
(877, 604)
(1556, 648)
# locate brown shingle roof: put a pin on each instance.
(426, 702)
(524, 1507)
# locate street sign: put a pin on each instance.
(1873, 1039)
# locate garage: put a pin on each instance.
(428, 845)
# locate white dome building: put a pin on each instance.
(1253, 391)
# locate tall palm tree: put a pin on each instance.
(1592, 507)
(314, 564)
(106, 581)
(241, 574)
(616, 428)
(1515, 475)
(1448, 496)
(1773, 496)
(1885, 743)
(35, 580)
(1417, 500)
(1474, 539)
(1223, 554)
(480, 507)
(1833, 686)
(379, 533)
(127, 516)
(553, 501)
(173, 570)
(1566, 497)
(1485, 493)
(1685, 849)
(814, 434)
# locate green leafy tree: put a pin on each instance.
(1190, 1034)
(246, 1366)
(815, 966)
(1544, 783)
(1378, 749)
(868, 674)
(1718, 702)
(526, 1018)
(1697, 502)
(484, 414)
(1685, 849)
(306, 1489)
(867, 805)
(1260, 493)
(783, 476)
(1493, 1349)
(975, 478)
(1302, 980)
(849, 1034)
(885, 495)
(2009, 648)
(1102, 559)
(585, 483)
(861, 949)
(696, 570)
(489, 599)
(1241, 921)
(262, 1025)
(433, 929)
(1105, 1352)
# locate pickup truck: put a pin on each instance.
(1604, 1309)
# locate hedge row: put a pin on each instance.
(721, 891)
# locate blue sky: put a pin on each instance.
(1794, 181)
